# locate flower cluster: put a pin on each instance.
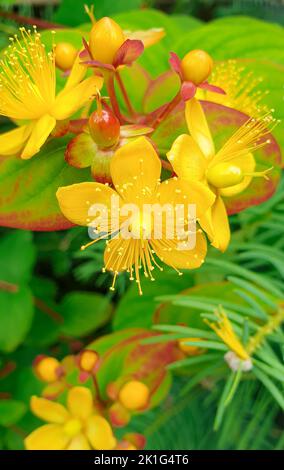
(83, 410)
(119, 144)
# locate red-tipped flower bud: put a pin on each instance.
(104, 128)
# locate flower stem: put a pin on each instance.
(167, 165)
(113, 99)
(125, 95)
(8, 287)
(167, 110)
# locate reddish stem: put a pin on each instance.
(32, 21)
(8, 368)
(46, 309)
(112, 96)
(129, 106)
(8, 287)
(167, 110)
(167, 165)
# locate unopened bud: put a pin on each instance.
(65, 55)
(196, 66)
(189, 349)
(106, 37)
(134, 395)
(87, 360)
(46, 368)
(104, 128)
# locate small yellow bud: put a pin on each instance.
(134, 395)
(88, 360)
(106, 37)
(188, 348)
(46, 369)
(196, 66)
(65, 55)
(224, 175)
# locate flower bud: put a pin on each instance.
(224, 175)
(106, 37)
(134, 395)
(65, 55)
(189, 349)
(104, 128)
(88, 360)
(196, 66)
(46, 368)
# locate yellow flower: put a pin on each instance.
(74, 427)
(240, 87)
(135, 170)
(223, 328)
(226, 172)
(28, 93)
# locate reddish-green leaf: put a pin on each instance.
(28, 188)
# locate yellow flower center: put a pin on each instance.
(196, 66)
(106, 37)
(141, 226)
(134, 395)
(224, 175)
(72, 427)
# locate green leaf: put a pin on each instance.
(271, 387)
(17, 256)
(73, 13)
(46, 322)
(128, 357)
(11, 411)
(143, 307)
(16, 315)
(83, 312)
(155, 59)
(28, 188)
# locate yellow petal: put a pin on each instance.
(79, 442)
(247, 165)
(76, 75)
(40, 132)
(99, 433)
(135, 169)
(76, 201)
(48, 410)
(179, 191)
(168, 251)
(12, 142)
(148, 36)
(198, 127)
(69, 101)
(221, 225)
(47, 437)
(80, 402)
(187, 159)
